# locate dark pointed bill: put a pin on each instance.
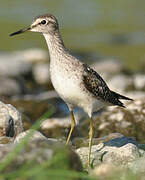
(20, 31)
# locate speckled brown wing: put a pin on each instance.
(97, 86)
(94, 83)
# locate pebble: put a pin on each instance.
(9, 87)
(10, 121)
(109, 66)
(120, 83)
(13, 65)
(41, 73)
(34, 136)
(139, 81)
(33, 55)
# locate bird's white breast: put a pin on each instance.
(66, 82)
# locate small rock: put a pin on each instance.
(110, 66)
(136, 94)
(55, 127)
(139, 81)
(13, 65)
(124, 82)
(9, 87)
(41, 73)
(10, 121)
(105, 170)
(34, 136)
(33, 55)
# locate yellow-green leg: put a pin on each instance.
(91, 132)
(73, 123)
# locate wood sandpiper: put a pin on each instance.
(76, 83)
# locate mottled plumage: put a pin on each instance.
(97, 86)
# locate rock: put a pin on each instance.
(33, 55)
(110, 66)
(139, 82)
(118, 151)
(129, 121)
(9, 87)
(136, 94)
(55, 127)
(121, 155)
(13, 65)
(47, 154)
(10, 121)
(41, 73)
(105, 170)
(125, 82)
(110, 171)
(34, 136)
(138, 166)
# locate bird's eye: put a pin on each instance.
(43, 22)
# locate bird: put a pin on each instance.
(75, 82)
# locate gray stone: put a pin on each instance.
(139, 81)
(120, 82)
(41, 73)
(120, 155)
(10, 121)
(41, 151)
(33, 55)
(136, 94)
(110, 66)
(138, 166)
(9, 87)
(106, 171)
(13, 65)
(34, 136)
(118, 151)
(55, 127)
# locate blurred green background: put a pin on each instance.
(108, 28)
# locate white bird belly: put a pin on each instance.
(67, 86)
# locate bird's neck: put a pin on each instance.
(55, 45)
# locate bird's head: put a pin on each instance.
(46, 24)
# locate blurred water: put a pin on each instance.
(108, 28)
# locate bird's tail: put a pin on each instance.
(119, 96)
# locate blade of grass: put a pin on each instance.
(39, 172)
